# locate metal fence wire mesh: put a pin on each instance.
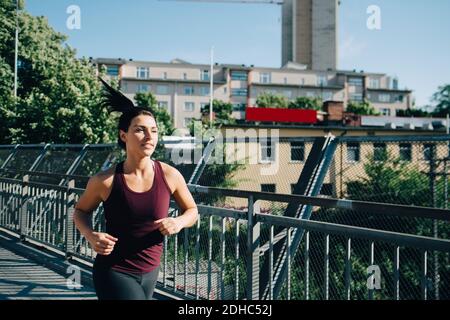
(209, 260)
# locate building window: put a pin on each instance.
(112, 70)
(355, 81)
(239, 75)
(187, 122)
(267, 150)
(352, 152)
(287, 94)
(356, 97)
(310, 94)
(383, 97)
(264, 78)
(189, 106)
(239, 92)
(327, 96)
(395, 84)
(285, 80)
(386, 111)
(270, 187)
(204, 91)
(293, 187)
(239, 106)
(225, 90)
(326, 189)
(143, 88)
(297, 151)
(429, 151)
(405, 151)
(142, 72)
(163, 105)
(379, 152)
(203, 105)
(162, 89)
(322, 81)
(204, 75)
(165, 75)
(399, 98)
(374, 83)
(184, 76)
(189, 91)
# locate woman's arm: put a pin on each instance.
(185, 201)
(101, 242)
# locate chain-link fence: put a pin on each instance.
(398, 170)
(210, 260)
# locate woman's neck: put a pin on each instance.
(139, 167)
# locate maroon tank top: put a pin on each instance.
(130, 217)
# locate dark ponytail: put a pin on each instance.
(115, 100)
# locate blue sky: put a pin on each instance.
(413, 43)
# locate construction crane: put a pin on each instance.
(279, 2)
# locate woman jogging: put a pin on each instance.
(135, 195)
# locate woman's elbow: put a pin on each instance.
(196, 215)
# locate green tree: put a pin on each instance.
(413, 113)
(163, 118)
(362, 108)
(306, 103)
(389, 180)
(222, 113)
(58, 95)
(442, 100)
(270, 100)
(216, 174)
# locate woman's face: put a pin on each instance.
(142, 135)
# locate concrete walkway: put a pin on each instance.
(23, 278)
(30, 272)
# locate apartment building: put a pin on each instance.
(275, 165)
(183, 88)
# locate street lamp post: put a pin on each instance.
(16, 49)
(211, 92)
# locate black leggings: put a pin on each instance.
(114, 285)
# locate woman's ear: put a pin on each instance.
(123, 136)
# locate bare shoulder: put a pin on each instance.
(105, 175)
(97, 190)
(103, 180)
(172, 175)
(169, 170)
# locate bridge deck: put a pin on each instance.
(24, 279)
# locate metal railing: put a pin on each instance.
(221, 257)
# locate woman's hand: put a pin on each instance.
(102, 243)
(169, 226)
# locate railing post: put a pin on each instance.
(24, 207)
(253, 234)
(70, 230)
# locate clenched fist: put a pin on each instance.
(102, 243)
(169, 226)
